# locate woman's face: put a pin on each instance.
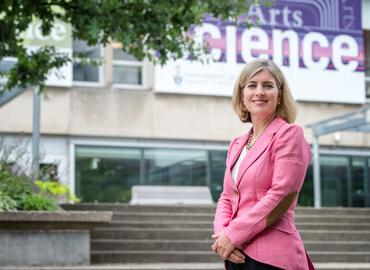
(261, 95)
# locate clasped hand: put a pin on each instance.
(225, 249)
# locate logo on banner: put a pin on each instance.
(177, 77)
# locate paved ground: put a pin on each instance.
(175, 266)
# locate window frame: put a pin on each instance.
(144, 73)
(101, 67)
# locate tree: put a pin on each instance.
(155, 29)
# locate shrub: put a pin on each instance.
(17, 191)
(7, 203)
(13, 186)
(39, 202)
(55, 188)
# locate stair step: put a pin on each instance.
(337, 246)
(160, 216)
(179, 266)
(133, 233)
(121, 207)
(204, 234)
(333, 237)
(150, 244)
(207, 225)
(335, 256)
(204, 245)
(145, 256)
(141, 208)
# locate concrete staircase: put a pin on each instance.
(333, 237)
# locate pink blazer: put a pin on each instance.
(257, 212)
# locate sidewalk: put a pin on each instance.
(178, 266)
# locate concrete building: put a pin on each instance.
(128, 123)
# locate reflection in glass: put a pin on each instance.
(217, 170)
(106, 174)
(334, 180)
(175, 167)
(118, 54)
(83, 71)
(127, 74)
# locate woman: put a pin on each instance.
(265, 168)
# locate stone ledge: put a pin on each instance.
(53, 219)
(47, 237)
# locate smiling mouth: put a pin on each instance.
(259, 101)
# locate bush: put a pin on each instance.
(18, 192)
(14, 187)
(54, 188)
(39, 202)
(7, 203)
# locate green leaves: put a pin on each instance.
(7, 203)
(39, 202)
(54, 188)
(32, 68)
(153, 29)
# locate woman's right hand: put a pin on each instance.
(236, 256)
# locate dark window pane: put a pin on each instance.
(85, 73)
(217, 170)
(306, 195)
(334, 181)
(127, 75)
(106, 174)
(80, 46)
(118, 54)
(175, 167)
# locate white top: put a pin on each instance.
(235, 170)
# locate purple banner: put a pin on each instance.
(308, 34)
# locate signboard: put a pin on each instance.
(61, 38)
(317, 43)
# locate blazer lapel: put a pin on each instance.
(237, 149)
(259, 147)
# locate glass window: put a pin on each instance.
(106, 174)
(127, 70)
(127, 75)
(344, 182)
(48, 171)
(334, 180)
(306, 197)
(217, 171)
(83, 71)
(175, 167)
(358, 189)
(5, 65)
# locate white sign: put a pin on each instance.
(60, 38)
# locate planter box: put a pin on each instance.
(48, 238)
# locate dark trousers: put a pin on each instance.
(249, 264)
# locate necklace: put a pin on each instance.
(249, 143)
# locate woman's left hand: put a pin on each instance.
(222, 245)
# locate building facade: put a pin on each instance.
(127, 122)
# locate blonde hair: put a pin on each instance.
(286, 108)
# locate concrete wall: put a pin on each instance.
(44, 248)
(146, 114)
